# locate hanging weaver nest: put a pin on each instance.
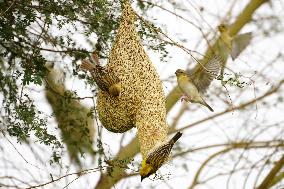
(142, 100)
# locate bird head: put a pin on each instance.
(115, 89)
(146, 170)
(222, 28)
(180, 72)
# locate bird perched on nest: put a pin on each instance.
(158, 157)
(235, 44)
(105, 78)
(195, 84)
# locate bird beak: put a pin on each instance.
(142, 178)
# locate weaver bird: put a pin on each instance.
(158, 157)
(195, 84)
(105, 78)
(235, 44)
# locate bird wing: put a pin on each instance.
(239, 43)
(203, 75)
(159, 155)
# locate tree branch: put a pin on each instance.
(241, 106)
(272, 174)
(106, 181)
(241, 20)
(228, 149)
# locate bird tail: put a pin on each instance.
(87, 65)
(176, 137)
(207, 105)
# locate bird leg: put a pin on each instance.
(184, 98)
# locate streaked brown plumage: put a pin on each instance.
(158, 157)
(105, 78)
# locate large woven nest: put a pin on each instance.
(142, 101)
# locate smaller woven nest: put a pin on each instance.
(142, 100)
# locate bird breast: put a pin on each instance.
(188, 88)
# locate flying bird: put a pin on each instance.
(234, 44)
(195, 84)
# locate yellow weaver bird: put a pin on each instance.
(195, 84)
(235, 44)
(105, 79)
(157, 158)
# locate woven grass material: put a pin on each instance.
(142, 101)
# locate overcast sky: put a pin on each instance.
(223, 129)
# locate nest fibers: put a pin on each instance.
(142, 100)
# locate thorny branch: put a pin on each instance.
(84, 172)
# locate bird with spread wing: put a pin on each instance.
(233, 44)
(195, 84)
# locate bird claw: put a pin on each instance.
(184, 98)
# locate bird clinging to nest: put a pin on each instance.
(106, 79)
(157, 157)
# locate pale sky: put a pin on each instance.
(223, 129)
